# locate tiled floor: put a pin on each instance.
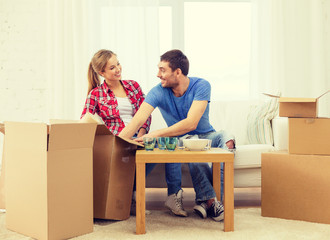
(244, 197)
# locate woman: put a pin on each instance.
(115, 100)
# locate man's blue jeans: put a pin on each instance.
(201, 173)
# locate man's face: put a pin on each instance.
(167, 76)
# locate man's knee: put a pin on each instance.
(230, 144)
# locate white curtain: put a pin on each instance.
(79, 28)
(291, 49)
(130, 29)
(68, 44)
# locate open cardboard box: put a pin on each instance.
(49, 179)
(114, 171)
(298, 107)
(295, 186)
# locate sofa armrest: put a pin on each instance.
(280, 133)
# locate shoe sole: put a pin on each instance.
(218, 218)
(200, 211)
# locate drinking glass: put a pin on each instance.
(161, 143)
(171, 143)
(209, 144)
(149, 143)
(180, 145)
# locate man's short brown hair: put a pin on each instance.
(176, 59)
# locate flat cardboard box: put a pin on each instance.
(49, 179)
(114, 170)
(295, 187)
(298, 107)
(2, 170)
(309, 136)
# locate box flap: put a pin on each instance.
(24, 135)
(2, 128)
(71, 135)
(271, 95)
(91, 118)
(131, 141)
(56, 121)
(296, 100)
(103, 130)
(323, 94)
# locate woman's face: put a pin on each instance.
(112, 71)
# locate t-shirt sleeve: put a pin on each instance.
(202, 91)
(153, 97)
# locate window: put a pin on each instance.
(215, 36)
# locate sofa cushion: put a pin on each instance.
(259, 128)
(249, 156)
(232, 117)
(247, 177)
(280, 127)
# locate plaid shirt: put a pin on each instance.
(101, 100)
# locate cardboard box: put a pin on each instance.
(295, 186)
(114, 170)
(49, 179)
(298, 107)
(309, 136)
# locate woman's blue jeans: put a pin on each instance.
(172, 175)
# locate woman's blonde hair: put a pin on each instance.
(97, 65)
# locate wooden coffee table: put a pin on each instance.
(214, 155)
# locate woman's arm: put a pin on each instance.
(90, 104)
(142, 132)
(138, 120)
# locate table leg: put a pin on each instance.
(229, 196)
(217, 180)
(140, 198)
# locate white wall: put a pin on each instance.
(23, 66)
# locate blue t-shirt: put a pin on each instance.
(175, 109)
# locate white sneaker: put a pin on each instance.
(174, 203)
(201, 209)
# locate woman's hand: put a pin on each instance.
(140, 139)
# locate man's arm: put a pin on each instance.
(188, 124)
(137, 121)
(141, 132)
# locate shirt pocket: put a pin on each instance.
(108, 108)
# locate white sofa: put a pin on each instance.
(233, 117)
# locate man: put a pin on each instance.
(184, 104)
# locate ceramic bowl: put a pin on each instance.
(195, 144)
